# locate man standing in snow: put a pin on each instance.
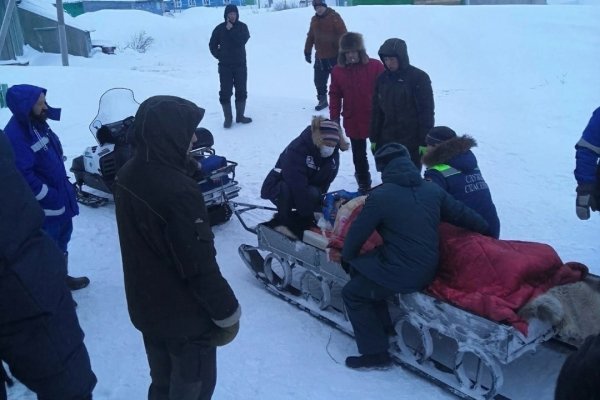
(176, 294)
(403, 105)
(350, 95)
(587, 169)
(228, 45)
(39, 157)
(326, 29)
(406, 211)
(40, 337)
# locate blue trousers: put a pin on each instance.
(60, 232)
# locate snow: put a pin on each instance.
(521, 79)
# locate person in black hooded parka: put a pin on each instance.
(406, 211)
(403, 106)
(228, 45)
(40, 337)
(176, 294)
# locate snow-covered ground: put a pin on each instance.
(523, 80)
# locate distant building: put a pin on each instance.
(78, 7)
(13, 44)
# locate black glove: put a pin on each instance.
(585, 200)
(308, 58)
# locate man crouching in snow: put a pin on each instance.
(40, 337)
(176, 294)
(406, 211)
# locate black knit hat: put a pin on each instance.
(439, 134)
(316, 3)
(387, 153)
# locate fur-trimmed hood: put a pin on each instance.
(352, 41)
(316, 134)
(446, 151)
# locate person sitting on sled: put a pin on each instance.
(451, 164)
(406, 211)
(302, 174)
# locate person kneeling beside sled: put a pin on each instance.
(302, 175)
(406, 211)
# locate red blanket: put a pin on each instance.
(494, 278)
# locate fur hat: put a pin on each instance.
(352, 41)
(439, 134)
(326, 129)
(387, 153)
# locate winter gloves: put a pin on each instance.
(585, 200)
(308, 58)
(225, 330)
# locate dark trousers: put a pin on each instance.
(366, 304)
(231, 76)
(286, 204)
(359, 157)
(180, 369)
(323, 67)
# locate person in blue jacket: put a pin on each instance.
(40, 337)
(406, 211)
(303, 173)
(451, 164)
(39, 157)
(587, 170)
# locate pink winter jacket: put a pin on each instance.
(353, 85)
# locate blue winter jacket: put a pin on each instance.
(453, 166)
(406, 211)
(39, 154)
(301, 165)
(587, 154)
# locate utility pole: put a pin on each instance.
(10, 7)
(62, 33)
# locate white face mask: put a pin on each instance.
(326, 151)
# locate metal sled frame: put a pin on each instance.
(225, 191)
(458, 350)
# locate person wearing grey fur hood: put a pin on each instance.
(303, 173)
(452, 165)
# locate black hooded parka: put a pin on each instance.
(173, 284)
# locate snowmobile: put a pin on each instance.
(96, 169)
(469, 355)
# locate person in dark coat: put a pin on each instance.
(579, 377)
(324, 33)
(176, 294)
(350, 96)
(406, 211)
(40, 337)
(403, 107)
(452, 165)
(303, 173)
(587, 169)
(39, 157)
(228, 45)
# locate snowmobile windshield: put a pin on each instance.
(115, 106)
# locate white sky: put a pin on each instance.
(523, 80)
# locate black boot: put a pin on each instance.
(322, 102)
(228, 115)
(240, 108)
(369, 361)
(75, 283)
(364, 182)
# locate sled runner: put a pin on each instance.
(96, 169)
(469, 355)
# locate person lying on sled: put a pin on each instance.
(303, 174)
(406, 210)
